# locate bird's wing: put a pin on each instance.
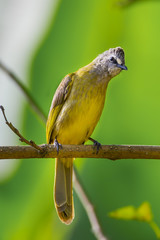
(59, 98)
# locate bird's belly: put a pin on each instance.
(79, 121)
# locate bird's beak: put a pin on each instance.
(123, 67)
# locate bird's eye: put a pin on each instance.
(113, 60)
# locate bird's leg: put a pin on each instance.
(57, 145)
(96, 144)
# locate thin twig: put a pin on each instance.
(26, 92)
(89, 208)
(15, 130)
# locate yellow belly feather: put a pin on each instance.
(79, 116)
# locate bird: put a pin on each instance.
(74, 113)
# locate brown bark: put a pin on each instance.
(112, 152)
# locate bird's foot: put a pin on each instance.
(96, 144)
(57, 145)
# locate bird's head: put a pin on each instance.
(110, 62)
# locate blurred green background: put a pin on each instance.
(78, 32)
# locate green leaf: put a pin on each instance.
(142, 213)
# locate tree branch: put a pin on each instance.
(96, 228)
(15, 130)
(26, 92)
(112, 152)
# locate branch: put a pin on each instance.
(96, 228)
(26, 92)
(112, 152)
(15, 130)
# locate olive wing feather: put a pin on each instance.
(59, 98)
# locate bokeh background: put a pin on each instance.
(42, 41)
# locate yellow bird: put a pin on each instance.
(74, 113)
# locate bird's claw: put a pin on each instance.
(57, 145)
(97, 145)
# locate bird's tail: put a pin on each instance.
(63, 196)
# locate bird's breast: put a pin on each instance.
(79, 115)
